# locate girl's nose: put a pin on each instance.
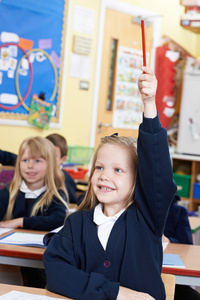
(30, 164)
(104, 176)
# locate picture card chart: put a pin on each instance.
(128, 106)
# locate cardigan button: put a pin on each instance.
(106, 264)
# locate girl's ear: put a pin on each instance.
(63, 159)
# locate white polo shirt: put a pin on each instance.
(31, 194)
(104, 223)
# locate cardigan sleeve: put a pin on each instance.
(50, 218)
(7, 158)
(64, 275)
(4, 197)
(155, 187)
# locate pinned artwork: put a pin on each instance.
(40, 112)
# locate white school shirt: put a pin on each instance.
(104, 223)
(31, 194)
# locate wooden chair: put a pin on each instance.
(169, 283)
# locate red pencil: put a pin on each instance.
(143, 43)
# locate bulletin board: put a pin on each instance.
(32, 37)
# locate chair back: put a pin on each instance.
(169, 281)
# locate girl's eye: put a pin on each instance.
(25, 160)
(38, 160)
(98, 168)
(118, 170)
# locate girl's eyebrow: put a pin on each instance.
(98, 162)
(33, 157)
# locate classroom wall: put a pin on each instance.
(171, 13)
(77, 106)
(198, 45)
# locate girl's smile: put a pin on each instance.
(105, 188)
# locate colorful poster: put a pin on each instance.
(128, 106)
(30, 56)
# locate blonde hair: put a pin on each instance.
(54, 179)
(90, 200)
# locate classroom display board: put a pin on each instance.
(31, 54)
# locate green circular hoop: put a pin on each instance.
(17, 76)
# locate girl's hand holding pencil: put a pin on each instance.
(147, 84)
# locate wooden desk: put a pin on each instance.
(6, 288)
(195, 227)
(23, 256)
(190, 255)
(32, 257)
(2, 167)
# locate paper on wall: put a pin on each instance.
(83, 19)
(80, 66)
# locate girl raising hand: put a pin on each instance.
(111, 248)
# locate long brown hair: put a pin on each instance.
(90, 200)
(54, 179)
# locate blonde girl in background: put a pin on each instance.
(37, 197)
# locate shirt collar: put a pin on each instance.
(99, 217)
(31, 194)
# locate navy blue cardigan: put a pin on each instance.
(7, 158)
(71, 187)
(49, 218)
(76, 264)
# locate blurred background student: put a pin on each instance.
(36, 198)
(177, 230)
(9, 159)
(60, 144)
